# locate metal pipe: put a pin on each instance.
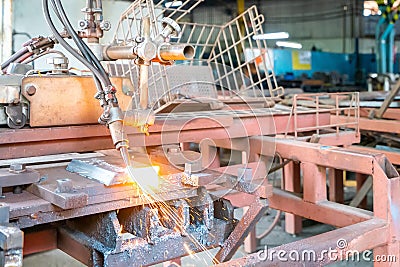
(169, 52)
(119, 52)
(144, 86)
(390, 49)
(378, 31)
(383, 41)
(144, 68)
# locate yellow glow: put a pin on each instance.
(145, 177)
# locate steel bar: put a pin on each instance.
(236, 238)
(325, 211)
(389, 126)
(336, 193)
(388, 100)
(394, 157)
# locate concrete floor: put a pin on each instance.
(57, 258)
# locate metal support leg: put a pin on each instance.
(293, 224)
(336, 193)
(314, 182)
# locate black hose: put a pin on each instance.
(81, 44)
(71, 50)
(83, 51)
(53, 5)
(14, 57)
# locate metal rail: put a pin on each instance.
(325, 103)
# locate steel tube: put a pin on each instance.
(144, 68)
(119, 52)
(169, 52)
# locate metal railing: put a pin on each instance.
(325, 103)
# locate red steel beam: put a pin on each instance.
(394, 157)
(55, 140)
(327, 156)
(376, 125)
(326, 212)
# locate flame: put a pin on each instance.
(145, 177)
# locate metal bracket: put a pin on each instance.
(16, 118)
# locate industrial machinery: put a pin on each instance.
(152, 188)
(385, 46)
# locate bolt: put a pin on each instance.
(17, 167)
(30, 90)
(105, 25)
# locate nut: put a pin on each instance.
(64, 185)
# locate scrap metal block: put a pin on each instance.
(202, 208)
(180, 219)
(99, 170)
(144, 222)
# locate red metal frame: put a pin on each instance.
(362, 230)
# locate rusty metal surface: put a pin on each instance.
(82, 248)
(67, 100)
(366, 124)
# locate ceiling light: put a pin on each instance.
(271, 36)
(173, 4)
(289, 45)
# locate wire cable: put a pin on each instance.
(70, 49)
(20, 53)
